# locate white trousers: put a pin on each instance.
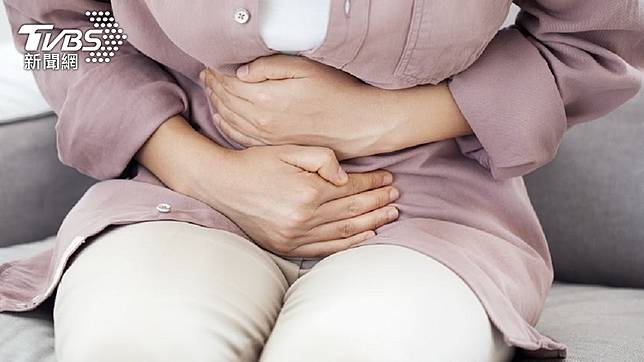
(174, 291)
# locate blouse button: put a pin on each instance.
(164, 208)
(242, 16)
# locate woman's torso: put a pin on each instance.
(414, 42)
(390, 46)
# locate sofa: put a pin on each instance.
(590, 200)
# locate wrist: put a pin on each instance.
(206, 172)
(414, 116)
(183, 159)
(382, 122)
(367, 129)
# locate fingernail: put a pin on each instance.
(392, 213)
(393, 194)
(342, 175)
(209, 91)
(202, 76)
(389, 178)
(243, 70)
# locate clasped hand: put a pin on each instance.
(282, 99)
(296, 200)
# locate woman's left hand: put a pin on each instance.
(284, 99)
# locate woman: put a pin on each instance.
(379, 215)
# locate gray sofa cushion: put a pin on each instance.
(597, 323)
(590, 200)
(36, 190)
(29, 336)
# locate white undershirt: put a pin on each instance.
(293, 25)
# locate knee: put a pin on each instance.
(105, 344)
(340, 332)
(130, 338)
(388, 304)
(376, 330)
(102, 343)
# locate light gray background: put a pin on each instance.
(5, 34)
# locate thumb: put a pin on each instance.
(274, 67)
(317, 159)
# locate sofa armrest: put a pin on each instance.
(36, 190)
(591, 200)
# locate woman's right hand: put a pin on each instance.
(292, 200)
(296, 201)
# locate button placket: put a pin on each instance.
(347, 30)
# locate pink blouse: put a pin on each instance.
(564, 62)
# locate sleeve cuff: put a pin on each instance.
(511, 101)
(123, 104)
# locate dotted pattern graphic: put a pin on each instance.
(112, 38)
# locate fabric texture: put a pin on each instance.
(466, 212)
(149, 94)
(36, 190)
(229, 298)
(597, 323)
(591, 201)
(574, 64)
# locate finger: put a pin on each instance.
(242, 109)
(326, 248)
(208, 78)
(272, 67)
(222, 120)
(246, 91)
(317, 159)
(359, 183)
(234, 134)
(349, 227)
(202, 76)
(232, 118)
(355, 205)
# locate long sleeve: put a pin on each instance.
(562, 63)
(106, 111)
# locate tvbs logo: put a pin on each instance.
(101, 41)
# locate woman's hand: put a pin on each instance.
(292, 200)
(284, 99)
(291, 100)
(297, 201)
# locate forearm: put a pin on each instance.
(414, 116)
(177, 155)
(330, 108)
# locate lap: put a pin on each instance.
(167, 291)
(176, 291)
(383, 303)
